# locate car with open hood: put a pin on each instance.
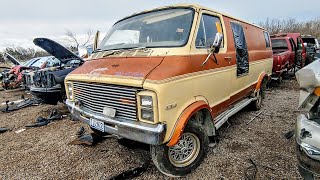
(14, 77)
(171, 77)
(48, 84)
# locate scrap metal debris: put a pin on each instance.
(12, 106)
(251, 171)
(54, 115)
(3, 130)
(257, 115)
(20, 131)
(132, 173)
(289, 134)
(81, 131)
(87, 139)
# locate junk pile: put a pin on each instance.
(19, 104)
(87, 139)
(53, 116)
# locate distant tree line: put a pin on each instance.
(22, 54)
(274, 26)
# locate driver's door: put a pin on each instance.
(214, 83)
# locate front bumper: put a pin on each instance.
(48, 95)
(308, 144)
(138, 131)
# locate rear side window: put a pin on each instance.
(267, 39)
(208, 28)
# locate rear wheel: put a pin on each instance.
(260, 95)
(186, 155)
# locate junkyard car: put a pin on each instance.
(284, 56)
(308, 127)
(171, 77)
(311, 44)
(14, 77)
(48, 84)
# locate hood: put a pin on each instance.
(137, 68)
(56, 50)
(11, 59)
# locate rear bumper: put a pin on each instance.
(142, 132)
(307, 145)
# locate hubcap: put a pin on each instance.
(186, 151)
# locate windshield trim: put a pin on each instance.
(158, 46)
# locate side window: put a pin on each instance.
(293, 46)
(267, 39)
(208, 29)
(242, 55)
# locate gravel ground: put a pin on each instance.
(44, 153)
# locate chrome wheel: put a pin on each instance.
(186, 151)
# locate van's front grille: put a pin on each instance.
(96, 96)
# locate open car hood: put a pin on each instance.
(56, 50)
(11, 59)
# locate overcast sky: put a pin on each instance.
(23, 20)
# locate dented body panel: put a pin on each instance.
(307, 129)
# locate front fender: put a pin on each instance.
(183, 120)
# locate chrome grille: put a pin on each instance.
(96, 96)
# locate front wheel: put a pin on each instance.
(186, 155)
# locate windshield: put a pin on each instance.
(279, 44)
(28, 63)
(164, 28)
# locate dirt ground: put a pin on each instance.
(44, 152)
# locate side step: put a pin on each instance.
(223, 117)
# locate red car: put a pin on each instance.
(301, 52)
(284, 56)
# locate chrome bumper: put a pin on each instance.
(308, 144)
(134, 130)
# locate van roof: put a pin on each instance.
(196, 6)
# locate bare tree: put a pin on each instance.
(76, 40)
(310, 27)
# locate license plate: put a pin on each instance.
(97, 125)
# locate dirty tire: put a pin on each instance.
(165, 163)
(99, 133)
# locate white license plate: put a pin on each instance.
(97, 125)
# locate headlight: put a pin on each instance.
(311, 151)
(147, 106)
(147, 114)
(70, 91)
(146, 101)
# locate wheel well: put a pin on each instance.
(203, 117)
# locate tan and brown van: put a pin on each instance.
(171, 77)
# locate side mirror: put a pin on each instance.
(217, 43)
(96, 41)
(214, 48)
(83, 52)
